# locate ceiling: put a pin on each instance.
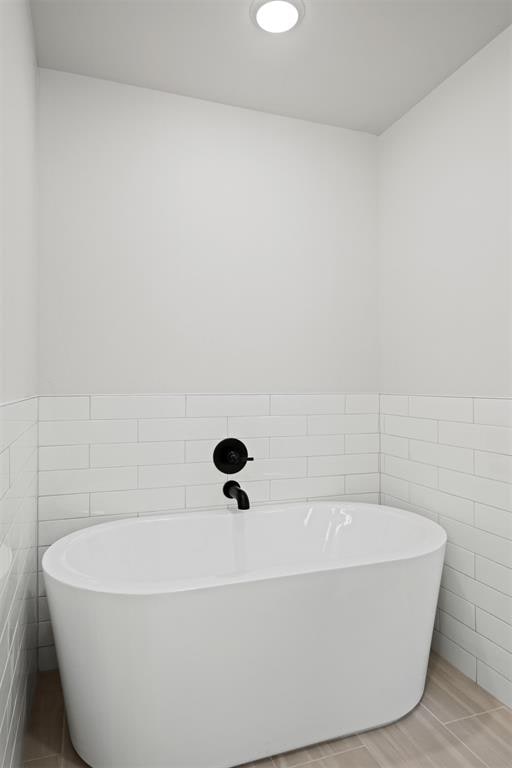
(353, 63)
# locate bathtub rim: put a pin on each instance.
(53, 568)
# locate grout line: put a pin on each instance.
(474, 552)
(39, 576)
(456, 496)
(470, 653)
(379, 425)
(455, 736)
(7, 403)
(454, 642)
(323, 757)
(484, 584)
(475, 714)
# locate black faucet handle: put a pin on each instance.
(230, 455)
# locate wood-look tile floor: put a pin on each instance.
(456, 725)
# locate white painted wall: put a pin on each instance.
(191, 246)
(18, 273)
(445, 236)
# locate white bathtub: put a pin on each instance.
(208, 640)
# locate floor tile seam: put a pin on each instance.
(32, 760)
(477, 757)
(475, 714)
(324, 757)
(490, 733)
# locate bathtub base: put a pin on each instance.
(307, 745)
(217, 677)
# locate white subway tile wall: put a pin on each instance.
(450, 458)
(18, 571)
(106, 456)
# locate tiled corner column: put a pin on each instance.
(18, 528)
(102, 457)
(450, 458)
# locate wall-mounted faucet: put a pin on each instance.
(230, 456)
(233, 491)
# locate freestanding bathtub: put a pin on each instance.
(209, 640)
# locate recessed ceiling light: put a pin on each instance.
(277, 16)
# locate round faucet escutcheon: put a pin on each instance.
(231, 455)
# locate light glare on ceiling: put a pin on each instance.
(277, 16)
